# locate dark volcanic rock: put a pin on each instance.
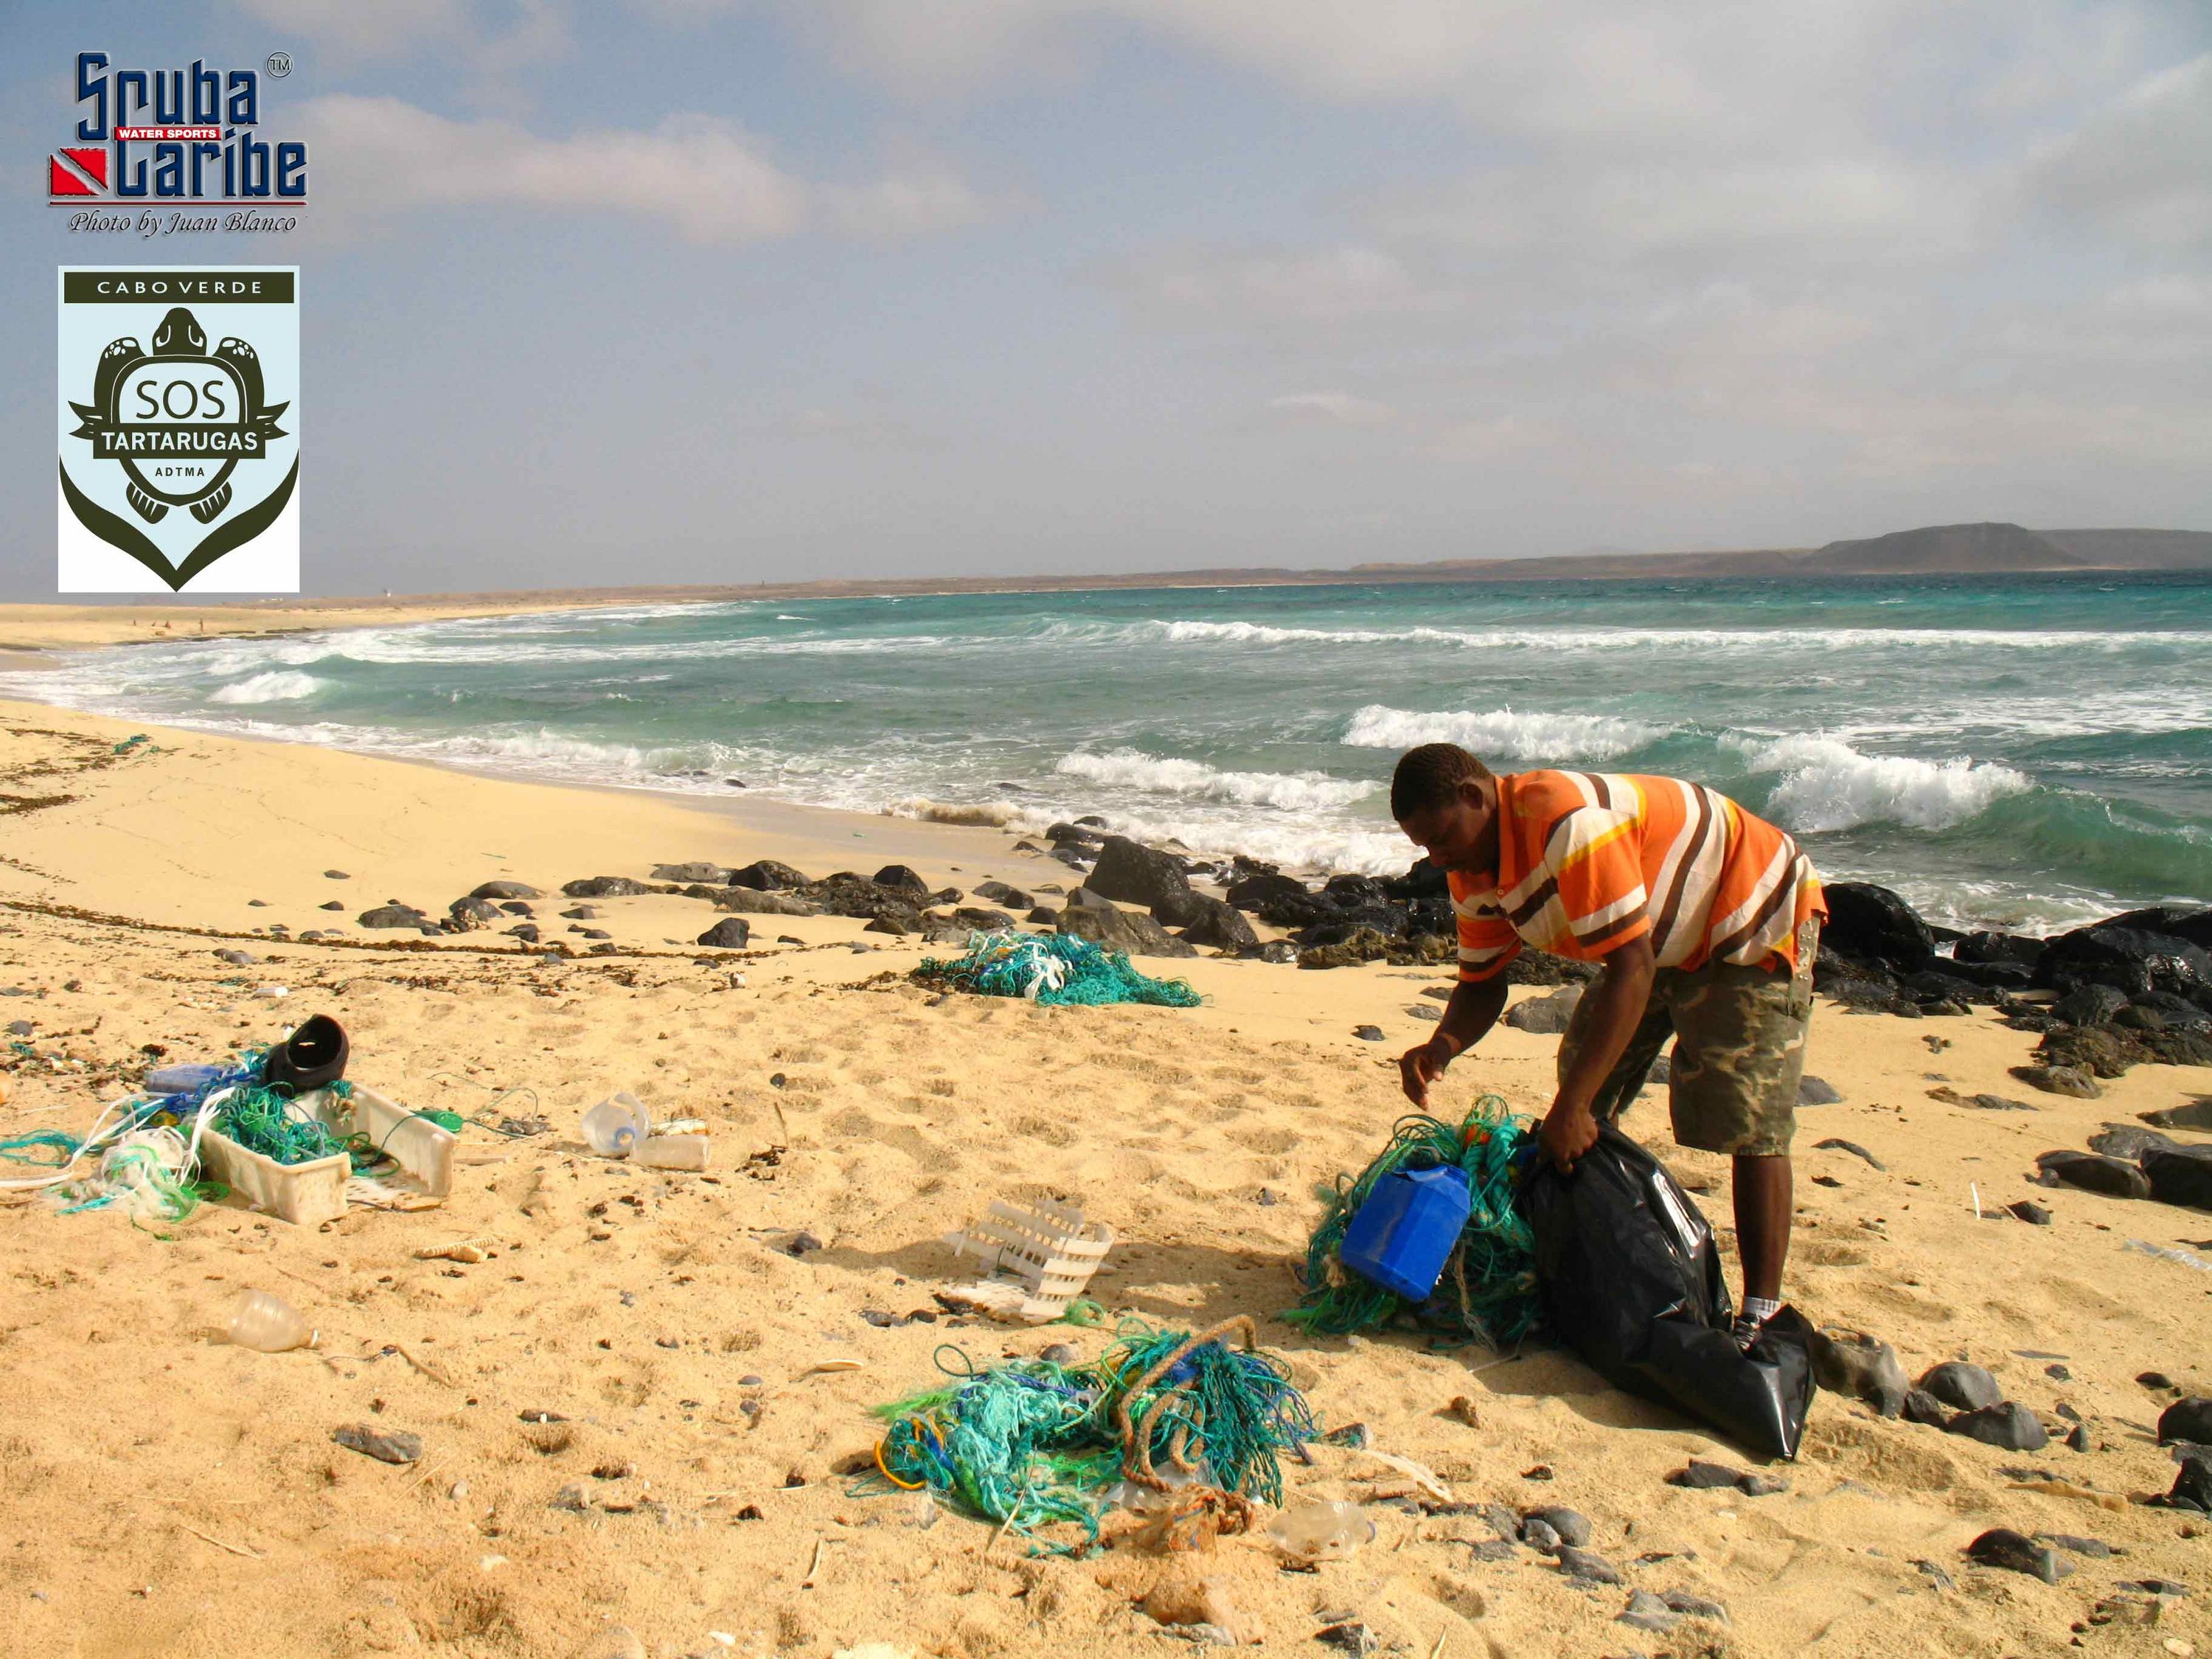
(1136, 874)
(730, 933)
(2014, 1552)
(605, 887)
(393, 915)
(2089, 1004)
(2189, 1419)
(767, 875)
(2128, 960)
(1542, 967)
(470, 912)
(978, 920)
(2006, 1423)
(1121, 930)
(1570, 1527)
(718, 874)
(1364, 945)
(1295, 910)
(899, 880)
(1868, 923)
(1955, 1382)
(1388, 919)
(2059, 1080)
(2006, 949)
(2030, 1212)
(1817, 1091)
(1925, 1409)
(1256, 892)
(2128, 1140)
(2197, 1114)
(1854, 1364)
(1355, 892)
(1589, 1569)
(1546, 1016)
(2180, 1175)
(2192, 1485)
(505, 890)
(2093, 1174)
(998, 892)
(1217, 925)
(762, 902)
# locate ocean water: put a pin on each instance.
(2025, 752)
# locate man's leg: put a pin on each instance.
(1737, 1066)
(1764, 1204)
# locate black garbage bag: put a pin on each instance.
(1629, 1278)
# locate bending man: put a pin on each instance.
(1705, 921)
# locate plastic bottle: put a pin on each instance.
(1320, 1531)
(616, 1124)
(269, 1324)
(179, 1079)
(670, 1152)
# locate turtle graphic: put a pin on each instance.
(179, 342)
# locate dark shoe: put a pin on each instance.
(312, 1057)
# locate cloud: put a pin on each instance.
(1343, 283)
(1338, 407)
(364, 30)
(2139, 166)
(705, 177)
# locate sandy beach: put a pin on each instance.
(622, 1422)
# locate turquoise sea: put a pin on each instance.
(2023, 752)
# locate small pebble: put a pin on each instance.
(1589, 1568)
(1367, 1033)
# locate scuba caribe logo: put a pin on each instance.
(195, 442)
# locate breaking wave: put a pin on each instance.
(1828, 785)
(278, 685)
(1131, 768)
(1502, 734)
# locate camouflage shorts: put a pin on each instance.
(1738, 1052)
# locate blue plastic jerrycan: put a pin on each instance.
(1405, 1229)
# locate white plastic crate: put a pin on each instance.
(1051, 1250)
(308, 1195)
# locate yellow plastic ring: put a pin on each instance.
(903, 1486)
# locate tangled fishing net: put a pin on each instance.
(141, 1154)
(1029, 1443)
(1488, 1288)
(1057, 970)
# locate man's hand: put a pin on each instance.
(1419, 1067)
(1567, 1135)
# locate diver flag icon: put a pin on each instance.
(76, 173)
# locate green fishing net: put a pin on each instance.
(1054, 968)
(1488, 1287)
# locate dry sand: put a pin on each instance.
(168, 1493)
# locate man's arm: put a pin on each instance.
(1616, 1004)
(1473, 1010)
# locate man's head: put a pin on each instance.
(1446, 801)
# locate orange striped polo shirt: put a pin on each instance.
(1590, 860)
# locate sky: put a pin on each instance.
(680, 291)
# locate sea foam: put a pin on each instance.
(1502, 734)
(1131, 768)
(280, 685)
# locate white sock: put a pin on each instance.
(1760, 1309)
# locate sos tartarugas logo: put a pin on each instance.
(179, 429)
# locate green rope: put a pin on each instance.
(1488, 1287)
(1030, 1443)
(20, 1150)
(1057, 970)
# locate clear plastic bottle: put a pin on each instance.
(267, 1322)
(1320, 1531)
(614, 1126)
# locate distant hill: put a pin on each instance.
(2136, 549)
(1954, 549)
